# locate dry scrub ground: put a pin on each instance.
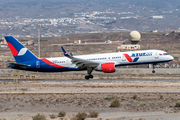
(149, 100)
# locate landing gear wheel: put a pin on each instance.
(87, 77)
(89, 71)
(153, 71)
(90, 76)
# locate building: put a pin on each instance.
(3, 41)
(77, 42)
(156, 17)
(108, 41)
(129, 47)
(30, 42)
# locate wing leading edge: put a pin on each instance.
(80, 63)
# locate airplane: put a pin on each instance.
(106, 62)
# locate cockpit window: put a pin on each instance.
(165, 54)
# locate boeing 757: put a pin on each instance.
(106, 62)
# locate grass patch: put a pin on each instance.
(81, 115)
(52, 116)
(41, 99)
(110, 97)
(62, 114)
(93, 114)
(115, 103)
(177, 104)
(39, 117)
(22, 93)
(134, 97)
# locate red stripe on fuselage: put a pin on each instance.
(13, 50)
(53, 64)
(128, 57)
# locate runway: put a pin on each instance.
(93, 80)
(121, 74)
(91, 93)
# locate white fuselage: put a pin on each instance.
(119, 58)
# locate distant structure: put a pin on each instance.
(30, 42)
(3, 41)
(77, 42)
(129, 47)
(135, 37)
(154, 31)
(108, 41)
(156, 17)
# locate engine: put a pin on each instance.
(106, 67)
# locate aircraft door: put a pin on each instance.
(156, 55)
(67, 62)
(38, 64)
(123, 58)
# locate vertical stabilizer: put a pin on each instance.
(20, 53)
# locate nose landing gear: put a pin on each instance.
(153, 71)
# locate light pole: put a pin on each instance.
(38, 26)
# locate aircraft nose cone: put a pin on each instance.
(171, 57)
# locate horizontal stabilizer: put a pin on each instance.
(19, 65)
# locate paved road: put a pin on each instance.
(121, 71)
(164, 93)
(104, 80)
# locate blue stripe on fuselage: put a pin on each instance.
(44, 67)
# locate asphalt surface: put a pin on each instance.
(104, 80)
(93, 93)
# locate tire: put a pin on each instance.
(87, 77)
(91, 76)
(153, 71)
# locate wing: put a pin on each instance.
(80, 63)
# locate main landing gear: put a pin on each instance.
(88, 76)
(89, 71)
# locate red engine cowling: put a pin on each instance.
(108, 67)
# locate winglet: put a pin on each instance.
(71, 54)
(64, 51)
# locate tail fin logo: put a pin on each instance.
(15, 52)
(22, 51)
